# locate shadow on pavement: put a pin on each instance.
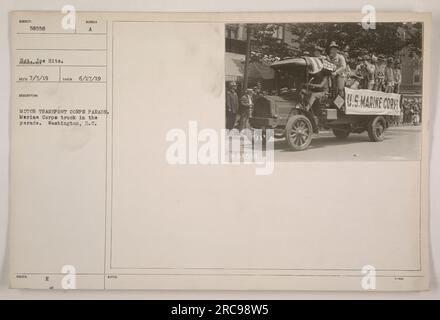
(322, 142)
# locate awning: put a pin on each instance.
(235, 68)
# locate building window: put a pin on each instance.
(416, 77)
(231, 31)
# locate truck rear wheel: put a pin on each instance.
(376, 129)
(299, 132)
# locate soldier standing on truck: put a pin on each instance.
(397, 77)
(379, 74)
(339, 75)
(389, 76)
(370, 69)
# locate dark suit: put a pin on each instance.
(231, 109)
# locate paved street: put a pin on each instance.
(400, 143)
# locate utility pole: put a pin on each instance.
(248, 53)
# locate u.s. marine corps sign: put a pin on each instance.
(368, 102)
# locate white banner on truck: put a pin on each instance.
(368, 102)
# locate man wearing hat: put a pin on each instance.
(339, 75)
(379, 73)
(369, 68)
(389, 76)
(397, 76)
(247, 103)
(231, 105)
(360, 71)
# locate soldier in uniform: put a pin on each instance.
(379, 74)
(340, 74)
(389, 76)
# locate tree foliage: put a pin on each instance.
(265, 44)
(387, 38)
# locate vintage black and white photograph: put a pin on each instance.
(327, 91)
(237, 152)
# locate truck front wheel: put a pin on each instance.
(299, 132)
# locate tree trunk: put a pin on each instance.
(248, 53)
